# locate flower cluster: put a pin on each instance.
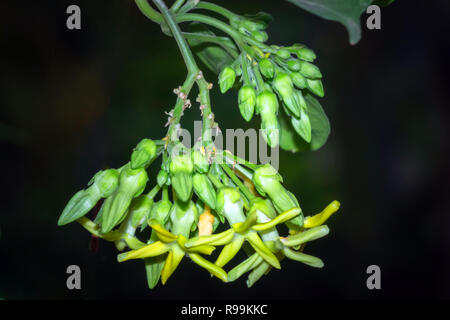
(269, 74)
(216, 199)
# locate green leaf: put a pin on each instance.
(347, 12)
(320, 129)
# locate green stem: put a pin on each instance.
(216, 8)
(149, 12)
(177, 5)
(238, 182)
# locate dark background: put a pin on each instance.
(73, 102)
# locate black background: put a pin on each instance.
(73, 102)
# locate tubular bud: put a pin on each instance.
(267, 102)
(309, 70)
(162, 177)
(294, 65)
(283, 54)
(143, 154)
(316, 87)
(181, 169)
(260, 36)
(298, 80)
(182, 216)
(247, 101)
(131, 184)
(266, 68)
(226, 79)
(200, 161)
(302, 125)
(160, 211)
(270, 129)
(284, 87)
(204, 189)
(306, 54)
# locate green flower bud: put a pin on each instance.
(162, 177)
(302, 125)
(230, 205)
(200, 161)
(181, 169)
(226, 79)
(132, 183)
(316, 87)
(294, 65)
(306, 54)
(283, 54)
(182, 217)
(260, 36)
(266, 68)
(267, 102)
(285, 89)
(262, 207)
(247, 102)
(309, 70)
(204, 189)
(252, 25)
(270, 129)
(298, 80)
(143, 154)
(102, 185)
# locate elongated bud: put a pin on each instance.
(266, 68)
(143, 154)
(181, 169)
(284, 87)
(162, 177)
(247, 102)
(230, 204)
(306, 54)
(267, 102)
(131, 184)
(298, 80)
(260, 36)
(263, 206)
(252, 25)
(302, 125)
(204, 189)
(226, 79)
(102, 185)
(270, 129)
(309, 70)
(316, 87)
(200, 160)
(283, 54)
(294, 65)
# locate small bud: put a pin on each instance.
(302, 125)
(247, 101)
(181, 169)
(306, 54)
(260, 36)
(204, 189)
(107, 182)
(294, 65)
(140, 209)
(143, 154)
(270, 129)
(316, 87)
(226, 79)
(267, 102)
(284, 87)
(310, 71)
(266, 68)
(252, 25)
(298, 80)
(131, 184)
(283, 54)
(160, 211)
(162, 177)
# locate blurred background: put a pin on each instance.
(74, 102)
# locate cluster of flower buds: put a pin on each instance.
(208, 198)
(270, 75)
